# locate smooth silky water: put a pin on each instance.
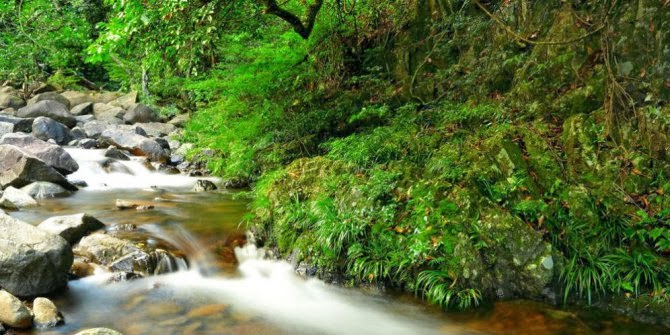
(226, 289)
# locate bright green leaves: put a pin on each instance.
(37, 39)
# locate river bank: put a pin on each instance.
(159, 227)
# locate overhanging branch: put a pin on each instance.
(303, 29)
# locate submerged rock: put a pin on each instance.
(46, 313)
(98, 331)
(114, 152)
(13, 312)
(203, 185)
(104, 249)
(43, 189)
(32, 262)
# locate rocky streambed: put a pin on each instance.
(104, 225)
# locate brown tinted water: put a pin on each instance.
(218, 296)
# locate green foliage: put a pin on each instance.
(40, 37)
(439, 290)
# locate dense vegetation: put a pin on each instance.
(422, 145)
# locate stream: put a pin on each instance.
(218, 287)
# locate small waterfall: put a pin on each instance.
(198, 258)
(102, 173)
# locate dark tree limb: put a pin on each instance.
(303, 29)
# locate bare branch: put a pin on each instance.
(303, 29)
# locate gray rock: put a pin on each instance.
(53, 96)
(203, 185)
(176, 159)
(71, 227)
(77, 98)
(8, 111)
(180, 120)
(19, 169)
(156, 129)
(51, 154)
(108, 113)
(20, 124)
(98, 331)
(42, 88)
(32, 262)
(46, 313)
(137, 145)
(13, 312)
(45, 129)
(13, 198)
(82, 109)
(51, 109)
(114, 152)
(113, 166)
(174, 144)
(11, 100)
(81, 119)
(104, 249)
(78, 133)
(43, 189)
(126, 101)
(95, 128)
(139, 113)
(88, 143)
(163, 143)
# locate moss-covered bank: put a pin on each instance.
(513, 149)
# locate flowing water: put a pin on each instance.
(228, 289)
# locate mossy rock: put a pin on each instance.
(517, 261)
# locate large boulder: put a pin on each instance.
(20, 124)
(139, 113)
(137, 144)
(51, 109)
(46, 129)
(32, 262)
(13, 312)
(18, 169)
(43, 189)
(49, 96)
(13, 198)
(71, 227)
(51, 154)
(517, 262)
